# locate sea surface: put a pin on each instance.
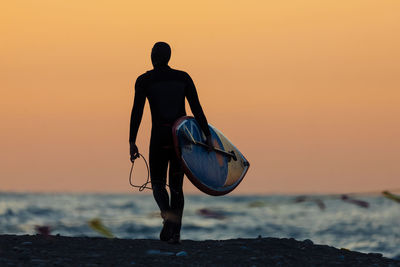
(323, 219)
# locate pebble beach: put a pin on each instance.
(42, 250)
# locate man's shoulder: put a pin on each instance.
(144, 75)
(180, 73)
(143, 79)
(148, 76)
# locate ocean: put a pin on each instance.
(361, 223)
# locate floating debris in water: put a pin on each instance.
(391, 196)
(320, 204)
(318, 201)
(360, 203)
(210, 213)
(98, 226)
(300, 199)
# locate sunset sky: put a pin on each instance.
(308, 90)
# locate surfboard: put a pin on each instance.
(216, 172)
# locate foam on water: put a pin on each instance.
(340, 224)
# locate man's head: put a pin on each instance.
(160, 54)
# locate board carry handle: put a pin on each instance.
(190, 137)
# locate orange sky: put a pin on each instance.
(307, 90)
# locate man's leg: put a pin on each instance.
(175, 184)
(177, 198)
(158, 160)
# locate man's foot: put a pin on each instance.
(175, 234)
(175, 239)
(166, 231)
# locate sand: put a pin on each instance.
(39, 250)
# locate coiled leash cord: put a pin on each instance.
(144, 186)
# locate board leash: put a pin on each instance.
(148, 181)
(143, 186)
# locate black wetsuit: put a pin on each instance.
(165, 89)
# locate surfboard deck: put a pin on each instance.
(216, 172)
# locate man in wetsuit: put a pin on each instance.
(165, 89)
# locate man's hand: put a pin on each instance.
(134, 152)
(209, 143)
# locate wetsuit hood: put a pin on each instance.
(160, 54)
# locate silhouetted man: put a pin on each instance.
(165, 89)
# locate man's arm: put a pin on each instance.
(136, 115)
(193, 99)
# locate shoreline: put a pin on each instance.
(40, 250)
